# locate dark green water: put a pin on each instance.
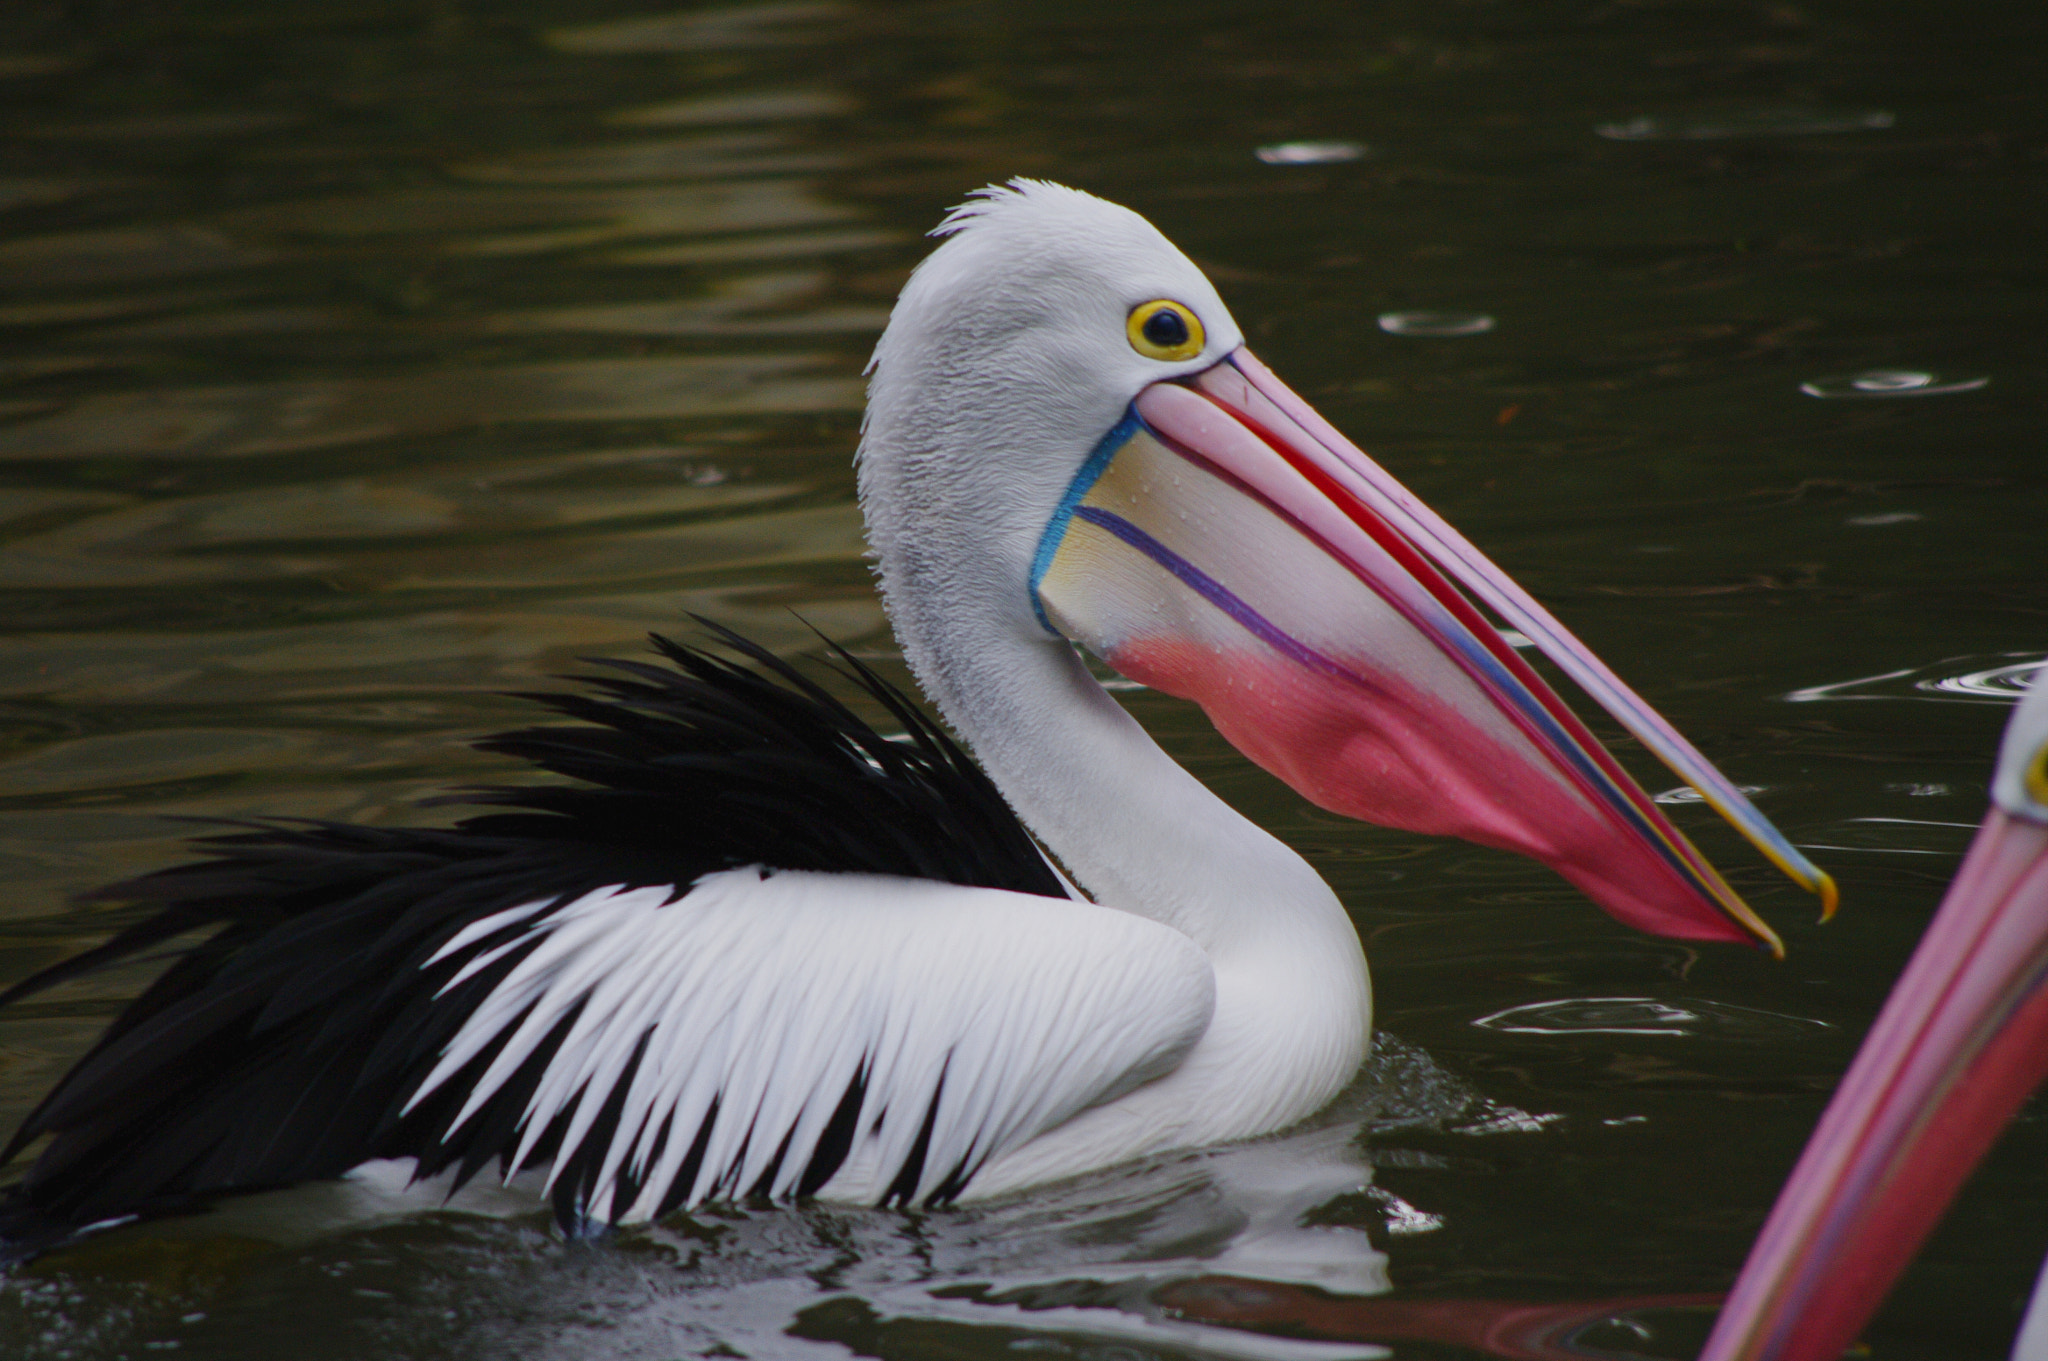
(361, 361)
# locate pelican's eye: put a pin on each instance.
(1165, 330)
(2035, 780)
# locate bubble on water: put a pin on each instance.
(1890, 383)
(1311, 153)
(1435, 323)
(1749, 123)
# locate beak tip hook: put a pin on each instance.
(1830, 896)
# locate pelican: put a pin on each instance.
(760, 950)
(1961, 1041)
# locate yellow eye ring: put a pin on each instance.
(2036, 779)
(1163, 329)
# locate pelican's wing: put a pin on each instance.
(313, 984)
(763, 1031)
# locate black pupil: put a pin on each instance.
(1166, 328)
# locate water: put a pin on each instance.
(363, 362)
(1437, 324)
(1747, 122)
(1311, 153)
(1890, 383)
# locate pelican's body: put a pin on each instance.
(762, 950)
(1961, 1043)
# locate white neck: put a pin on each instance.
(1136, 829)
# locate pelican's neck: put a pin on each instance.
(1134, 828)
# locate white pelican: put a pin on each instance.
(762, 951)
(1960, 1043)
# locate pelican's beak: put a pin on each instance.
(1225, 544)
(1961, 1041)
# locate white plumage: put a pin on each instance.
(755, 1000)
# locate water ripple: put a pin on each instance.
(1685, 793)
(1997, 678)
(764, 107)
(711, 30)
(294, 417)
(1878, 383)
(1646, 1016)
(175, 125)
(1435, 323)
(1311, 153)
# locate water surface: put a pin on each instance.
(360, 362)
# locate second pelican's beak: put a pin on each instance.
(1225, 544)
(1961, 1042)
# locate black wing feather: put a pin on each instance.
(283, 1044)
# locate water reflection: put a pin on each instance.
(497, 221)
(1515, 1330)
(776, 247)
(123, 255)
(1262, 1251)
(767, 106)
(300, 417)
(818, 1283)
(731, 153)
(25, 65)
(26, 193)
(220, 124)
(755, 305)
(712, 30)
(1190, 1252)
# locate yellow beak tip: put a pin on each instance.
(1830, 897)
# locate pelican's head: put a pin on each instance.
(1007, 358)
(1067, 442)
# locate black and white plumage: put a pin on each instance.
(756, 949)
(308, 1032)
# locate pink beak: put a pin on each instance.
(1225, 544)
(1961, 1042)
